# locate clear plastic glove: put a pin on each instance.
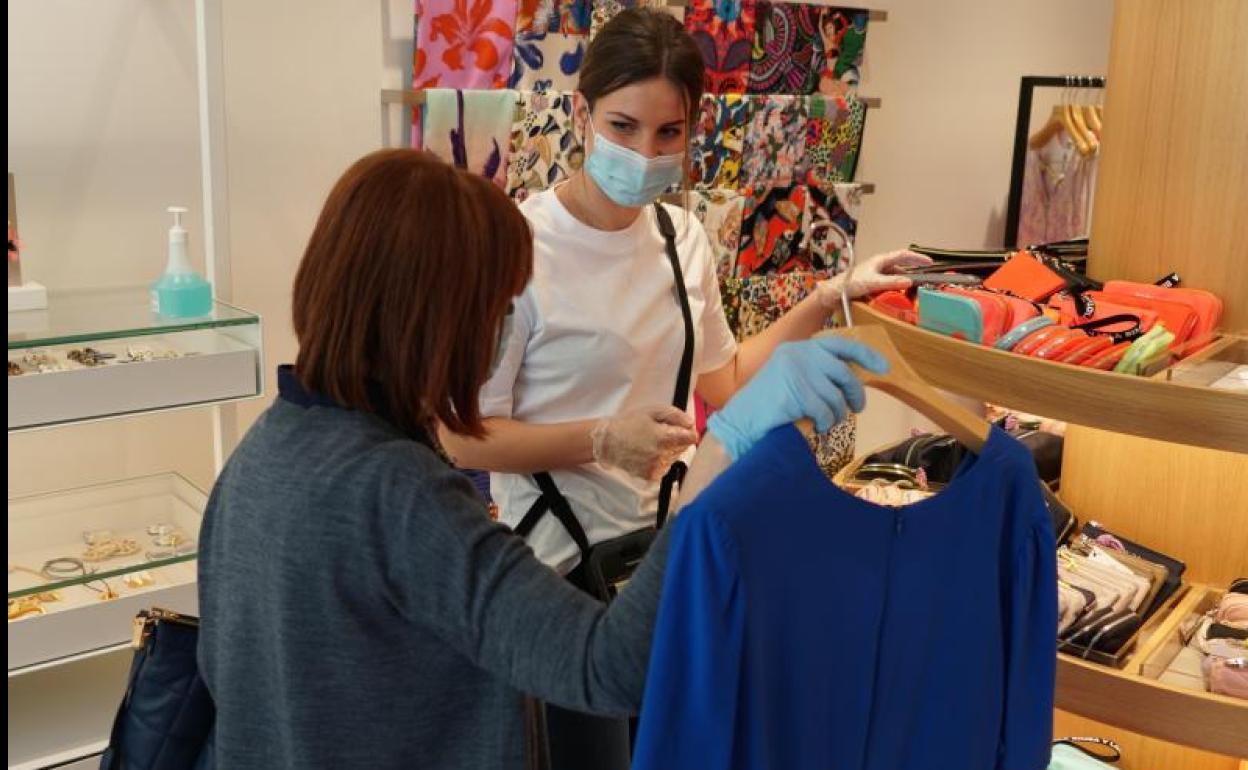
(801, 379)
(644, 442)
(871, 276)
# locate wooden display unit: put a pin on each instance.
(1158, 460)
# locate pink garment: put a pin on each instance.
(1057, 193)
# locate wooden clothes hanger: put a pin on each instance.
(1078, 114)
(905, 385)
(1063, 118)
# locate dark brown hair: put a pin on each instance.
(640, 44)
(403, 288)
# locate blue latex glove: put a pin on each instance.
(801, 379)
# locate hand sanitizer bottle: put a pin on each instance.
(180, 292)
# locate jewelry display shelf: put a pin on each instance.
(168, 363)
(1150, 407)
(160, 514)
(1138, 698)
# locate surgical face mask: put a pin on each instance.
(504, 334)
(628, 177)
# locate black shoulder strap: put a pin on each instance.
(551, 499)
(680, 399)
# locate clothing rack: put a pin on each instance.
(416, 98)
(1022, 127)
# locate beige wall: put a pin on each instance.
(97, 164)
(103, 135)
(939, 150)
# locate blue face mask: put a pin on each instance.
(628, 177)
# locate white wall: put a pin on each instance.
(97, 164)
(102, 136)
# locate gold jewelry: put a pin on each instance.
(37, 358)
(26, 605)
(139, 579)
(110, 549)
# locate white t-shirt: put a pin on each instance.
(598, 332)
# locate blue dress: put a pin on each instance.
(801, 627)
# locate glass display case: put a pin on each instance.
(95, 354)
(82, 562)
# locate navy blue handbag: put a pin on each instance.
(165, 720)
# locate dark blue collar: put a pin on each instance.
(291, 390)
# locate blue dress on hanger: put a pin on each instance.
(801, 627)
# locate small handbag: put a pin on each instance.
(166, 717)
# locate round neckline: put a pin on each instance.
(963, 477)
(568, 219)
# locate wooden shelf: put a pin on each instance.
(1205, 721)
(1139, 703)
(1140, 406)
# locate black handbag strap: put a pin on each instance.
(551, 499)
(680, 399)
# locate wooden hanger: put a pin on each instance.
(1089, 145)
(1093, 120)
(1078, 116)
(903, 384)
(1055, 125)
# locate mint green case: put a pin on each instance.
(951, 315)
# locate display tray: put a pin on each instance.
(1222, 366)
(1140, 697)
(63, 612)
(1122, 656)
(1176, 660)
(184, 369)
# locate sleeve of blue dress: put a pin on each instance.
(689, 707)
(1031, 652)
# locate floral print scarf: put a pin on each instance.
(546, 61)
(774, 141)
(544, 148)
(724, 32)
(720, 211)
(718, 142)
(833, 138)
(463, 43)
(788, 51)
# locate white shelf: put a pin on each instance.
(213, 366)
(44, 527)
(66, 713)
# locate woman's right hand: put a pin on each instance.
(644, 442)
(801, 379)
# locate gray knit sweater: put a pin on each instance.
(359, 609)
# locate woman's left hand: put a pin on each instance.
(871, 276)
